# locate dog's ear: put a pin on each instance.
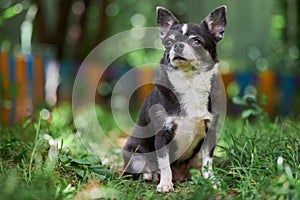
(165, 19)
(216, 22)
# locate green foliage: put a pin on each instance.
(84, 167)
(257, 160)
(251, 105)
(252, 165)
(46, 167)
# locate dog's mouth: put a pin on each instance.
(179, 59)
(182, 63)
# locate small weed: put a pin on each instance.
(252, 106)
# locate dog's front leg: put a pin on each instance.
(207, 162)
(209, 143)
(207, 150)
(162, 139)
(165, 184)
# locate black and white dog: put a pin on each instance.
(177, 122)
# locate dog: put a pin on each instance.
(178, 119)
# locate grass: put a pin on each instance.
(45, 159)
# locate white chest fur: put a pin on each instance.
(193, 92)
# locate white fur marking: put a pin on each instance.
(194, 91)
(147, 173)
(172, 36)
(184, 29)
(169, 123)
(192, 36)
(186, 136)
(147, 176)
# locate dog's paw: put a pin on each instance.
(166, 187)
(147, 176)
(210, 175)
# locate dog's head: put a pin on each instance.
(191, 46)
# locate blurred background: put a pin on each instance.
(43, 42)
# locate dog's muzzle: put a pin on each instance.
(179, 47)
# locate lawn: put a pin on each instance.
(44, 158)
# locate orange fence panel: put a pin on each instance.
(38, 80)
(21, 81)
(4, 75)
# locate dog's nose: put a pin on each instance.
(179, 46)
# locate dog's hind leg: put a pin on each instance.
(147, 175)
(134, 164)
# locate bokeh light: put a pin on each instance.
(254, 53)
(112, 10)
(262, 64)
(138, 20)
(78, 8)
(250, 90)
(294, 52)
(233, 89)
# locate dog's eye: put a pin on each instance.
(196, 42)
(168, 42)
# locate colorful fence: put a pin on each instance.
(23, 85)
(282, 90)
